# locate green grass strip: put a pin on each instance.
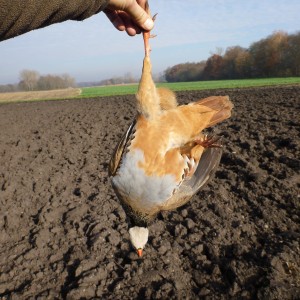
(102, 91)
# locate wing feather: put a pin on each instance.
(119, 150)
(206, 168)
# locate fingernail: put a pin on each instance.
(148, 25)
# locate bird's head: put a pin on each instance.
(138, 238)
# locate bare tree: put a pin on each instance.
(218, 51)
(52, 82)
(128, 78)
(68, 80)
(29, 79)
(7, 88)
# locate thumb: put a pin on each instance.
(139, 15)
(135, 12)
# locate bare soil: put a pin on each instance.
(63, 233)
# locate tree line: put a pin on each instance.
(126, 79)
(278, 55)
(31, 80)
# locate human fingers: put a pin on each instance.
(122, 22)
(130, 27)
(135, 11)
(116, 20)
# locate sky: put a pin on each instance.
(187, 31)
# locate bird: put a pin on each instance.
(164, 157)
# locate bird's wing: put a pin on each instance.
(185, 122)
(119, 150)
(205, 170)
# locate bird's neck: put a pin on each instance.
(147, 96)
(135, 218)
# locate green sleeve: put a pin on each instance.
(20, 16)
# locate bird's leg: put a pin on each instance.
(209, 141)
(147, 36)
(148, 102)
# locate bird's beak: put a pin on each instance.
(139, 252)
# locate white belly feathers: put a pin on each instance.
(132, 181)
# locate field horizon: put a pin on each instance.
(130, 89)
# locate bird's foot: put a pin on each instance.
(209, 141)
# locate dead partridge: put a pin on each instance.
(163, 159)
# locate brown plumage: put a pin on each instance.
(164, 158)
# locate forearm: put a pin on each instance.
(20, 16)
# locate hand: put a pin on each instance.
(129, 15)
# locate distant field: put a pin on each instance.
(103, 91)
(39, 95)
(114, 90)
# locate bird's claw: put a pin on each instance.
(209, 141)
(153, 18)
